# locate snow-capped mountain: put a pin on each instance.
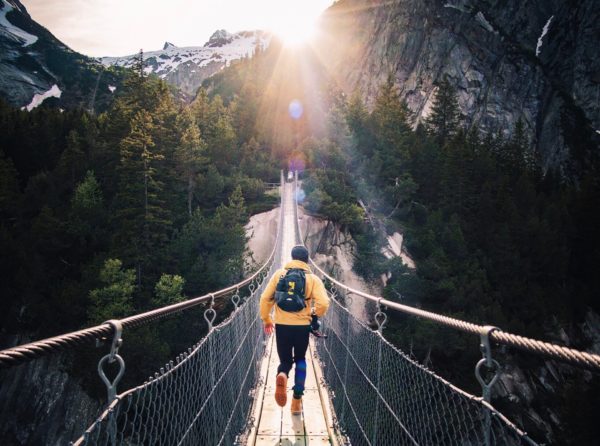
(187, 67)
(36, 68)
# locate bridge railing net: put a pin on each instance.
(382, 397)
(201, 398)
(204, 397)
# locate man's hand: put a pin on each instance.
(269, 329)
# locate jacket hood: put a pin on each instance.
(297, 264)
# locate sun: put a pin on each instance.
(295, 32)
(295, 23)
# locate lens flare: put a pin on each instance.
(295, 109)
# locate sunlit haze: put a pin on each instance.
(117, 27)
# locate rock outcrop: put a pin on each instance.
(42, 404)
(534, 60)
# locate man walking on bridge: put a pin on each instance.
(299, 298)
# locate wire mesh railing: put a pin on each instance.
(382, 397)
(203, 397)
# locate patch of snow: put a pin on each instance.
(112, 88)
(459, 7)
(39, 98)
(598, 132)
(242, 44)
(27, 78)
(21, 35)
(484, 22)
(538, 47)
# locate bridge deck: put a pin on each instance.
(275, 425)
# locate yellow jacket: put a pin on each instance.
(315, 294)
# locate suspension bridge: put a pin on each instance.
(360, 389)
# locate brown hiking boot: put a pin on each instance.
(296, 406)
(281, 389)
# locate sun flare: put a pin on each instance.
(295, 25)
(295, 33)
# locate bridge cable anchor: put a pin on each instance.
(349, 299)
(488, 361)
(210, 314)
(113, 356)
(235, 299)
(380, 317)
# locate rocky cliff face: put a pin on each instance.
(531, 59)
(57, 410)
(36, 67)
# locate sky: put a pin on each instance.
(122, 27)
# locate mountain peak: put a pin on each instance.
(219, 38)
(168, 45)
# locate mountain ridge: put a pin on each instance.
(187, 67)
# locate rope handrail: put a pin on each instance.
(28, 352)
(579, 358)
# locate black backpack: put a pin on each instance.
(289, 294)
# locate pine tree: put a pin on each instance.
(391, 125)
(444, 120)
(516, 153)
(168, 290)
(190, 155)
(144, 218)
(114, 299)
(357, 117)
(71, 162)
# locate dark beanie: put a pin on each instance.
(300, 253)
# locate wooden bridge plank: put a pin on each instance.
(317, 440)
(293, 441)
(314, 418)
(291, 425)
(270, 418)
(265, 440)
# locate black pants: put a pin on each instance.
(292, 342)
